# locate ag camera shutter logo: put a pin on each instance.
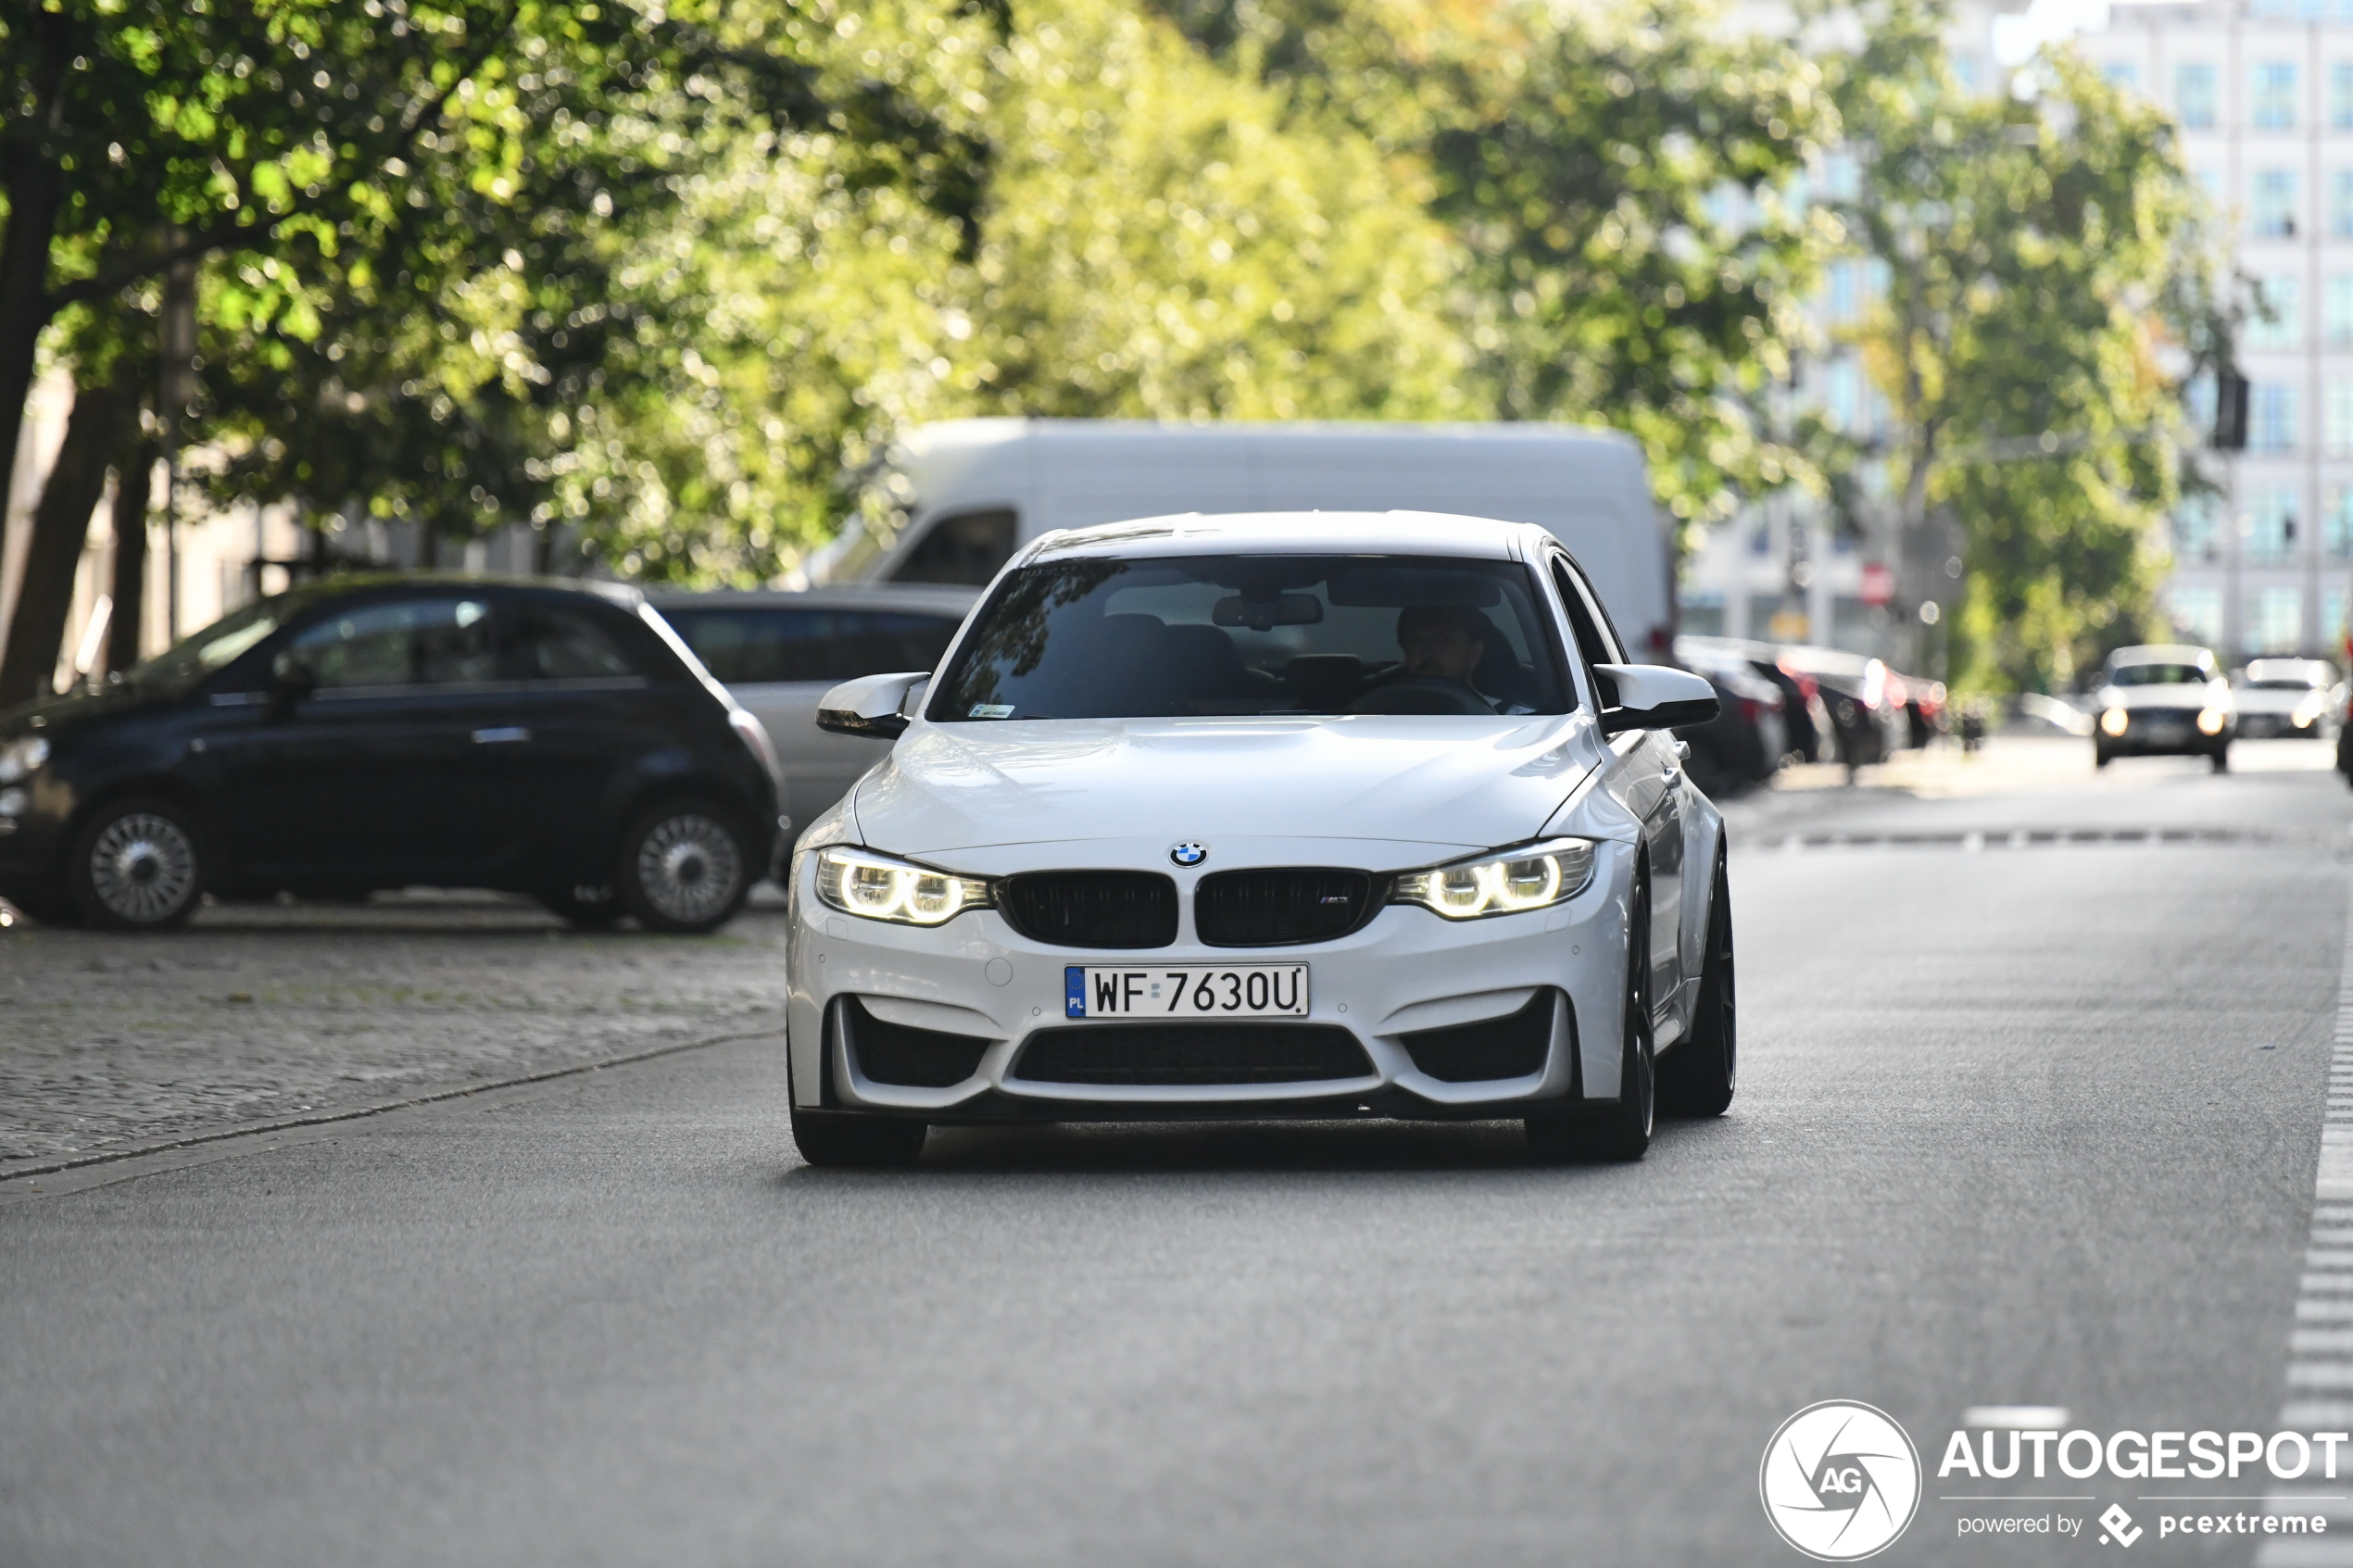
(1841, 1481)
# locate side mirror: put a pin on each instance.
(290, 682)
(1652, 696)
(877, 707)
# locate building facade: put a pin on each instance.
(2263, 92)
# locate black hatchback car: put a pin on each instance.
(555, 741)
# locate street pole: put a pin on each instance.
(175, 389)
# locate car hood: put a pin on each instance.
(1439, 784)
(2130, 697)
(57, 716)
(2254, 699)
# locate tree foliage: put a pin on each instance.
(2051, 291)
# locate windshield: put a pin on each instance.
(199, 654)
(1255, 634)
(2283, 685)
(2158, 675)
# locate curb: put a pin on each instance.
(41, 1166)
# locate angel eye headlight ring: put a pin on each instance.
(876, 886)
(1506, 882)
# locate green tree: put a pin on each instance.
(2050, 292)
(1157, 240)
(406, 212)
(1618, 178)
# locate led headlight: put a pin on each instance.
(21, 757)
(2113, 721)
(2307, 712)
(1502, 884)
(859, 882)
(2211, 721)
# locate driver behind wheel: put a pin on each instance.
(1441, 642)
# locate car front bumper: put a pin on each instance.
(1405, 973)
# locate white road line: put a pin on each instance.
(2325, 1296)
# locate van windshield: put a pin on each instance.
(1256, 634)
(2156, 675)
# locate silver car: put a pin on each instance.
(778, 652)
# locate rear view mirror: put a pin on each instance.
(877, 707)
(1262, 615)
(1652, 696)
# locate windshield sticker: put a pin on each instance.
(992, 710)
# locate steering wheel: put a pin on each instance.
(1423, 694)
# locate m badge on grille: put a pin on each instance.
(1188, 854)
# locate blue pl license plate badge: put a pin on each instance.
(1186, 991)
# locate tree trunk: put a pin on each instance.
(135, 472)
(60, 525)
(35, 186)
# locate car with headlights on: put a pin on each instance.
(2163, 700)
(552, 740)
(1268, 815)
(2287, 699)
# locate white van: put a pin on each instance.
(960, 496)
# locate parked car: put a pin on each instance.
(1924, 714)
(1804, 717)
(2163, 699)
(963, 495)
(555, 741)
(2282, 698)
(1865, 716)
(1746, 742)
(777, 653)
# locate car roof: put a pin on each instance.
(2160, 652)
(1437, 534)
(366, 583)
(2290, 669)
(940, 599)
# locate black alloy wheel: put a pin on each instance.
(685, 867)
(845, 1139)
(1619, 1131)
(135, 865)
(1697, 1078)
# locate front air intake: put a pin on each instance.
(919, 1058)
(1107, 909)
(1510, 1046)
(1191, 1055)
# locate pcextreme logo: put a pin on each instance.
(1841, 1481)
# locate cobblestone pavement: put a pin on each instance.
(258, 1012)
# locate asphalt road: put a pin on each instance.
(2020, 1121)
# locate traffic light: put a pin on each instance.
(2230, 412)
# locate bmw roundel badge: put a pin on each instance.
(1188, 854)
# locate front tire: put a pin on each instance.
(1697, 1078)
(1620, 1131)
(834, 1139)
(135, 865)
(2222, 758)
(685, 867)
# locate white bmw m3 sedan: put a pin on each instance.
(1276, 815)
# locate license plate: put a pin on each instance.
(1186, 991)
(2165, 732)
